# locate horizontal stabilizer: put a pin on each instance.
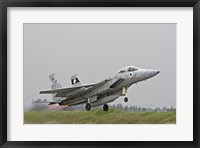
(64, 90)
(46, 102)
(51, 103)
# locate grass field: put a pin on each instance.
(98, 116)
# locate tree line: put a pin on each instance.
(132, 108)
(121, 107)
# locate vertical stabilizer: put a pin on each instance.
(54, 85)
(75, 81)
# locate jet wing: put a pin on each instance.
(74, 91)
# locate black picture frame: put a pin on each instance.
(99, 3)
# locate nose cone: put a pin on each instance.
(154, 72)
(151, 73)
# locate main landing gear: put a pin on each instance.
(88, 106)
(125, 99)
(105, 107)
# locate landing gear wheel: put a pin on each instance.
(125, 99)
(87, 106)
(105, 107)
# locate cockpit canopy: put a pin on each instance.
(128, 69)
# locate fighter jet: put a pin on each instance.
(100, 93)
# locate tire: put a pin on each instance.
(87, 106)
(105, 107)
(125, 99)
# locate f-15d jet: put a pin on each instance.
(100, 93)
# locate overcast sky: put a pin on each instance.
(96, 52)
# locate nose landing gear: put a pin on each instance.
(125, 99)
(124, 91)
(105, 107)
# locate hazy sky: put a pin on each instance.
(96, 52)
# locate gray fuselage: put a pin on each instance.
(115, 86)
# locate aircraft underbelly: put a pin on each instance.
(104, 100)
(69, 101)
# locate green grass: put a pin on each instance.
(98, 116)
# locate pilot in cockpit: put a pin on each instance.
(128, 69)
